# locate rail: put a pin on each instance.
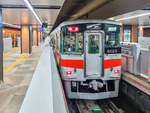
(105, 106)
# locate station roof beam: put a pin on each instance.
(34, 6)
(98, 9)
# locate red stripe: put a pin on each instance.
(80, 63)
(72, 63)
(112, 63)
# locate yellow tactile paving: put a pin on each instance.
(6, 54)
(21, 58)
(11, 66)
(16, 48)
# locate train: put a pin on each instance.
(88, 54)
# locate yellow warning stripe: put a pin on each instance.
(21, 58)
(16, 48)
(11, 66)
(5, 54)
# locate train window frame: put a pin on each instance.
(90, 51)
(74, 52)
(117, 33)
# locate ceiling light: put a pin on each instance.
(131, 17)
(17, 26)
(32, 10)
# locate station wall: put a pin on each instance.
(11, 38)
(12, 33)
(129, 33)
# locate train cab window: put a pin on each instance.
(72, 42)
(112, 36)
(93, 44)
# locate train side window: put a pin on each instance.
(72, 43)
(93, 44)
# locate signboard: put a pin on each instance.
(127, 35)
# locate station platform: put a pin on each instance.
(137, 90)
(18, 72)
(137, 81)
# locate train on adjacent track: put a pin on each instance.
(88, 54)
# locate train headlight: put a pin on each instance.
(68, 72)
(117, 71)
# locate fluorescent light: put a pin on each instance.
(17, 26)
(131, 17)
(32, 10)
(145, 26)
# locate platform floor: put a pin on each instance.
(137, 81)
(18, 71)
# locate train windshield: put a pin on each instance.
(112, 35)
(72, 41)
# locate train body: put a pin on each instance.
(88, 54)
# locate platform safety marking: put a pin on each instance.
(16, 48)
(6, 54)
(11, 66)
(21, 58)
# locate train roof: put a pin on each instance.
(86, 21)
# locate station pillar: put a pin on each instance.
(134, 33)
(35, 37)
(26, 39)
(1, 48)
(39, 37)
(122, 33)
(31, 38)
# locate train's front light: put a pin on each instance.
(68, 73)
(116, 71)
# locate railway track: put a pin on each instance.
(106, 106)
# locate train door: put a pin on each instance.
(93, 53)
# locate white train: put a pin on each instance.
(88, 54)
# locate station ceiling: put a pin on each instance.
(72, 9)
(141, 20)
(15, 11)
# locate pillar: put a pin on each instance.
(39, 37)
(1, 48)
(140, 31)
(134, 33)
(26, 46)
(122, 33)
(30, 38)
(35, 37)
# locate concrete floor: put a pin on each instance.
(18, 71)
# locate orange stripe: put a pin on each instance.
(112, 63)
(72, 63)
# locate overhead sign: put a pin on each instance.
(44, 25)
(112, 29)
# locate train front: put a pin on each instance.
(91, 60)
